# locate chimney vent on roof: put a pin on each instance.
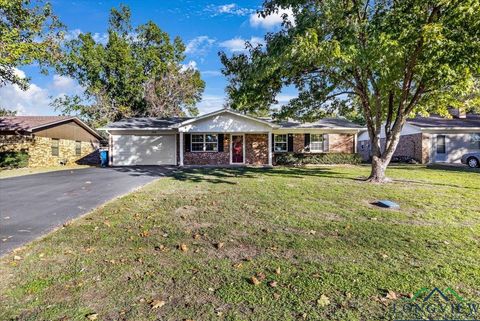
(457, 112)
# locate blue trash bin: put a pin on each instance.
(104, 158)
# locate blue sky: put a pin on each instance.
(206, 27)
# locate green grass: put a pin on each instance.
(317, 225)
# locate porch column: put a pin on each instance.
(181, 149)
(270, 148)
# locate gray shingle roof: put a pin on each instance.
(325, 123)
(471, 121)
(147, 122)
(169, 123)
(26, 123)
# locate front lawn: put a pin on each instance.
(191, 247)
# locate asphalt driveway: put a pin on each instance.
(33, 205)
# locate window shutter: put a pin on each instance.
(290, 142)
(221, 138)
(306, 145)
(187, 142)
(273, 142)
(325, 143)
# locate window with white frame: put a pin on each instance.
(281, 144)
(204, 142)
(316, 142)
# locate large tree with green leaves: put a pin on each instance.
(29, 33)
(137, 72)
(390, 59)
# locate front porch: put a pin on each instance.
(222, 149)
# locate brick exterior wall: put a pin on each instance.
(256, 152)
(337, 143)
(40, 150)
(341, 143)
(256, 149)
(298, 143)
(424, 154)
(209, 158)
(416, 146)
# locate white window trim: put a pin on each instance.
(283, 142)
(204, 142)
(312, 150)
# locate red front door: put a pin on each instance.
(237, 149)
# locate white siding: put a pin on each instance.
(225, 123)
(456, 145)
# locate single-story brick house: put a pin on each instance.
(433, 139)
(223, 137)
(49, 140)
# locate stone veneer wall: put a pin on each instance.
(209, 158)
(256, 149)
(40, 150)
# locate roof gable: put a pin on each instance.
(225, 120)
(30, 124)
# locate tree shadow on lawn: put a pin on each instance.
(221, 174)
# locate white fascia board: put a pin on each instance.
(318, 130)
(449, 129)
(136, 129)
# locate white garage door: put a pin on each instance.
(131, 150)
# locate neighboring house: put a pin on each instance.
(49, 140)
(432, 139)
(223, 137)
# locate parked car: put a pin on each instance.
(471, 159)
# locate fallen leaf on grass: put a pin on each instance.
(323, 301)
(92, 316)
(391, 295)
(273, 284)
(219, 245)
(183, 247)
(277, 270)
(155, 304)
(255, 281)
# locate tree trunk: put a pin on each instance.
(379, 166)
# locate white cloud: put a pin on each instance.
(63, 82)
(199, 46)
(36, 99)
(19, 73)
(237, 45)
(210, 103)
(192, 64)
(230, 9)
(33, 101)
(72, 34)
(271, 21)
(100, 37)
